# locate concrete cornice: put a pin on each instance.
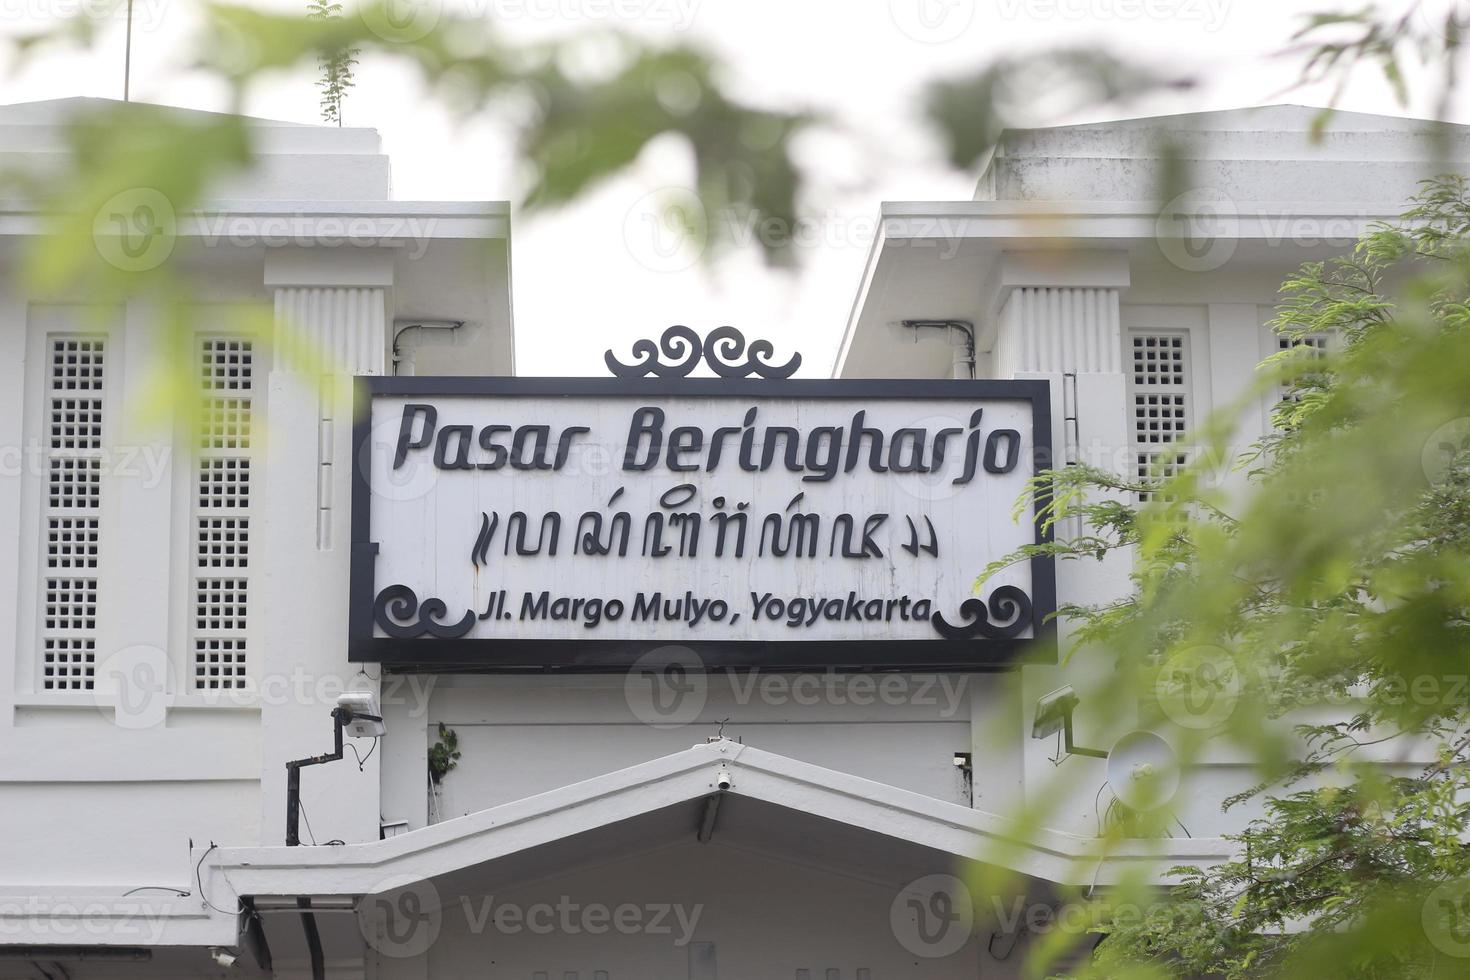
(293, 222)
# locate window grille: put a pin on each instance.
(224, 484)
(1159, 391)
(221, 525)
(71, 512)
(71, 543)
(1315, 342)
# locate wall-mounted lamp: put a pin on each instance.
(358, 714)
(1054, 714)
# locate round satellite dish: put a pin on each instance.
(1143, 771)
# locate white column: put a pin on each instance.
(343, 327)
(13, 476)
(1058, 319)
(1072, 337)
(1060, 329)
(330, 324)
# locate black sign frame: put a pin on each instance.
(594, 655)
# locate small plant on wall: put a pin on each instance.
(336, 65)
(443, 754)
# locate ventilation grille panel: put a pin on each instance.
(221, 522)
(1159, 392)
(71, 511)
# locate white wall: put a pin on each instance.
(525, 735)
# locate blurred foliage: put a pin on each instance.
(1320, 595)
(577, 124)
(1019, 92)
(1328, 572)
(1334, 44)
(1053, 86)
(127, 217)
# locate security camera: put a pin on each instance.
(360, 714)
(722, 779)
(222, 956)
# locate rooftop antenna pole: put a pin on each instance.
(128, 52)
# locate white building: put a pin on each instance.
(181, 619)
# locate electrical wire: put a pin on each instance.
(182, 893)
(362, 759)
(309, 834)
(200, 883)
(336, 841)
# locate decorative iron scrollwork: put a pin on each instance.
(680, 350)
(398, 612)
(1008, 604)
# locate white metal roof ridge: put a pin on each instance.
(477, 838)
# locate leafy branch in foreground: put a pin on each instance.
(1331, 594)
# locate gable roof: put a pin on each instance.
(807, 807)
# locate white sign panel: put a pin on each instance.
(580, 523)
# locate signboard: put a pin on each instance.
(584, 523)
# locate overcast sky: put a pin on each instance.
(590, 276)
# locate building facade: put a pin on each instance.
(180, 596)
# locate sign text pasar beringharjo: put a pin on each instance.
(819, 453)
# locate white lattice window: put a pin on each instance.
(224, 542)
(224, 484)
(71, 511)
(71, 543)
(221, 522)
(1159, 393)
(1314, 342)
